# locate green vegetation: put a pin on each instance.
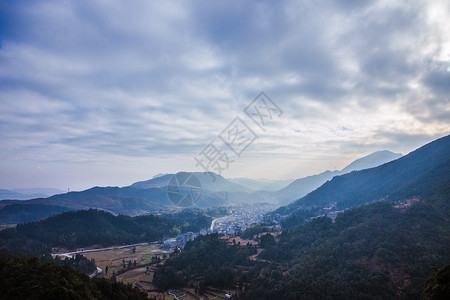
(372, 252)
(437, 287)
(29, 278)
(250, 232)
(79, 262)
(208, 257)
(190, 219)
(20, 213)
(93, 227)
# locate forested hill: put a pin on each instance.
(372, 252)
(29, 278)
(93, 227)
(415, 174)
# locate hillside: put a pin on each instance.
(19, 213)
(136, 199)
(381, 250)
(209, 181)
(24, 278)
(412, 175)
(208, 260)
(372, 252)
(378, 251)
(152, 195)
(302, 186)
(92, 227)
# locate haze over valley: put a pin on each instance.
(203, 150)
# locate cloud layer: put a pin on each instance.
(108, 92)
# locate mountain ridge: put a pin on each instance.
(392, 181)
(302, 186)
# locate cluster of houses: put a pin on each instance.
(180, 240)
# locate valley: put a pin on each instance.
(232, 150)
(353, 224)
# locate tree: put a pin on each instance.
(437, 286)
(267, 240)
(166, 277)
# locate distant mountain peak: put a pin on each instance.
(424, 171)
(372, 160)
(160, 175)
(302, 186)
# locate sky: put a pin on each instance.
(106, 93)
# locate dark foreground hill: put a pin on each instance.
(29, 278)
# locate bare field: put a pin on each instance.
(115, 258)
(139, 276)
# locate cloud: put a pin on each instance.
(102, 81)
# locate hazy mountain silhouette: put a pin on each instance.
(302, 186)
(26, 194)
(413, 175)
(151, 195)
(261, 184)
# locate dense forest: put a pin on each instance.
(209, 260)
(437, 285)
(21, 213)
(30, 278)
(93, 227)
(373, 252)
(78, 262)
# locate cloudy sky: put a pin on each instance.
(111, 92)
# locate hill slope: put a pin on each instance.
(136, 199)
(31, 279)
(302, 186)
(92, 227)
(372, 252)
(409, 176)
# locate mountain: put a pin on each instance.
(19, 213)
(26, 194)
(152, 195)
(372, 160)
(93, 227)
(155, 182)
(380, 250)
(136, 199)
(303, 186)
(261, 184)
(377, 251)
(413, 175)
(209, 181)
(14, 195)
